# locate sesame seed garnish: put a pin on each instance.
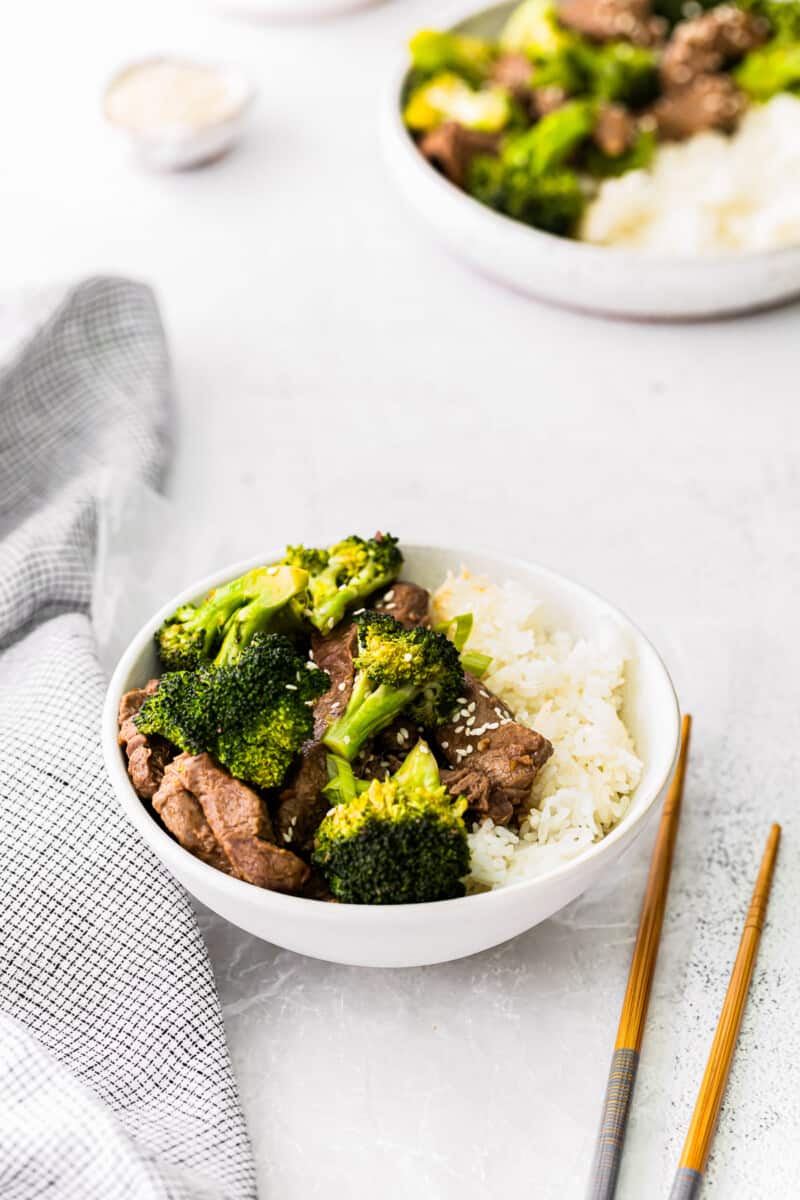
(389, 595)
(358, 612)
(342, 685)
(407, 658)
(330, 622)
(291, 687)
(445, 745)
(459, 729)
(471, 706)
(346, 739)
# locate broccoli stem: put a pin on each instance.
(330, 612)
(367, 712)
(419, 769)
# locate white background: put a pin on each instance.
(335, 370)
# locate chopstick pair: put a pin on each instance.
(625, 1060)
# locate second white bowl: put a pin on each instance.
(596, 278)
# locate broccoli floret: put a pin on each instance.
(533, 29)
(528, 180)
(552, 141)
(433, 52)
(617, 71)
(772, 69)
(344, 575)
(447, 97)
(224, 623)
(403, 841)
(397, 670)
(553, 203)
(252, 715)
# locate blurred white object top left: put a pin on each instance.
(176, 113)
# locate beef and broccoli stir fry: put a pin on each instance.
(311, 732)
(573, 92)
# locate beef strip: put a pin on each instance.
(707, 43)
(614, 20)
(182, 815)
(302, 804)
(615, 130)
(451, 148)
(515, 73)
(407, 602)
(334, 652)
(147, 754)
(483, 798)
(708, 102)
(484, 735)
(240, 823)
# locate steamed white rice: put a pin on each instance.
(569, 690)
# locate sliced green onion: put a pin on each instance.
(476, 663)
(462, 630)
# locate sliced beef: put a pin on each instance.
(614, 20)
(484, 735)
(515, 73)
(239, 821)
(451, 148)
(707, 43)
(182, 815)
(147, 754)
(334, 652)
(708, 102)
(483, 798)
(407, 602)
(302, 804)
(615, 130)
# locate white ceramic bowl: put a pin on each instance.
(416, 934)
(595, 278)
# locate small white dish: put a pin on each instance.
(598, 279)
(176, 113)
(417, 934)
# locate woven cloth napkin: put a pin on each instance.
(115, 1080)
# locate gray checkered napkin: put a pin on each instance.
(115, 1080)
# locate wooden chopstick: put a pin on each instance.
(625, 1060)
(689, 1175)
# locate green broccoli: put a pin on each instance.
(403, 841)
(252, 715)
(553, 203)
(433, 52)
(343, 575)
(226, 620)
(417, 671)
(772, 69)
(553, 140)
(617, 71)
(533, 29)
(447, 97)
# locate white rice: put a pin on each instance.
(570, 691)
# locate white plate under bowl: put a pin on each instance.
(599, 279)
(417, 934)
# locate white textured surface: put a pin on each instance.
(335, 369)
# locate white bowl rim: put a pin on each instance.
(358, 913)
(400, 137)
